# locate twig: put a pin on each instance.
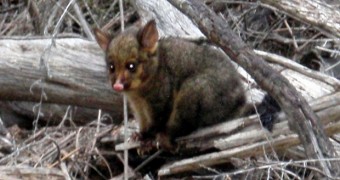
(56, 29)
(64, 157)
(126, 155)
(83, 22)
(296, 46)
(148, 160)
(35, 15)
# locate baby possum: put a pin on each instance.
(174, 86)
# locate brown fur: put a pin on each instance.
(177, 86)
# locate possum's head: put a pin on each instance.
(131, 57)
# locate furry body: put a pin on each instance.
(174, 86)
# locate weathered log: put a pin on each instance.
(63, 71)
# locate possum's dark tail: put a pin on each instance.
(268, 110)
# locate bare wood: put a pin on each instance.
(315, 12)
(71, 71)
(170, 21)
(301, 117)
(222, 157)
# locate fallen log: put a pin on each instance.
(66, 71)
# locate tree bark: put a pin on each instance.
(301, 118)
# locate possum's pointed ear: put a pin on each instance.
(103, 39)
(148, 37)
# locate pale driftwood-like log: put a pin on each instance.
(249, 138)
(315, 12)
(25, 172)
(64, 71)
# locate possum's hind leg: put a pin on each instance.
(201, 101)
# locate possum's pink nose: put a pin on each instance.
(117, 86)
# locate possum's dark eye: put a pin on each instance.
(111, 68)
(131, 67)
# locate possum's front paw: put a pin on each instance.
(147, 145)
